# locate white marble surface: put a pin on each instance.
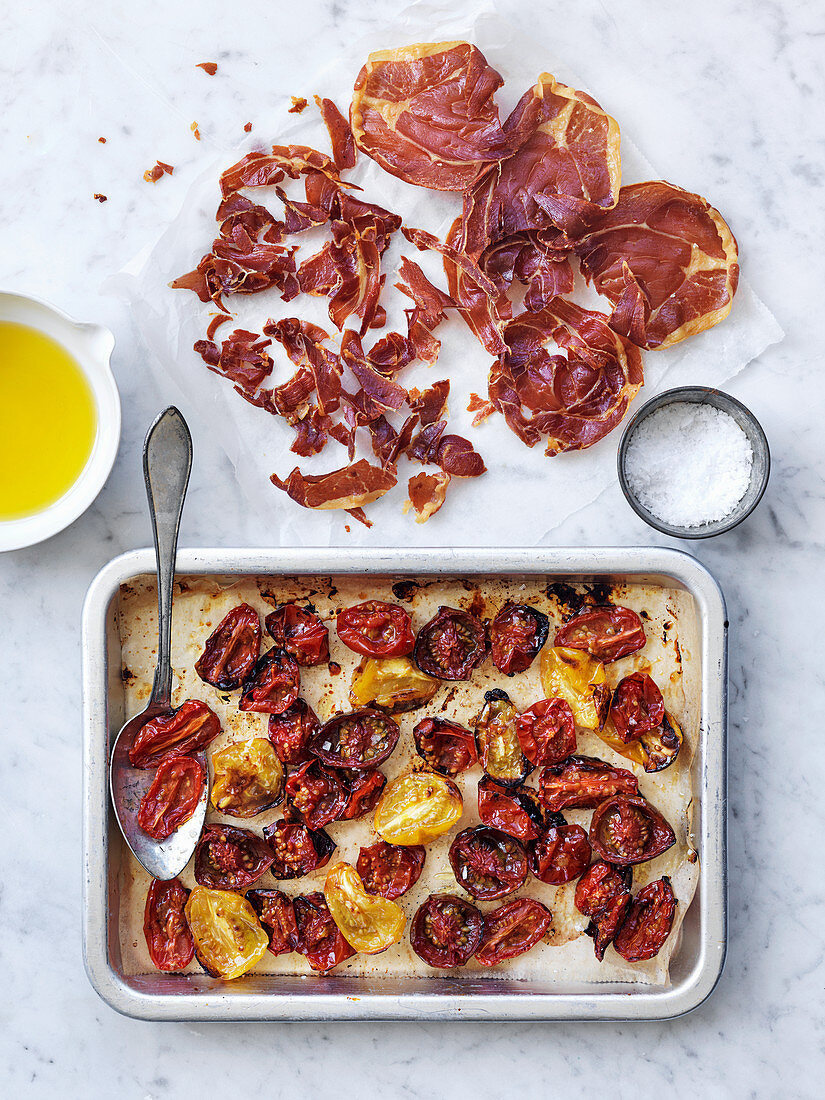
(727, 98)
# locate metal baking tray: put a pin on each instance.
(695, 967)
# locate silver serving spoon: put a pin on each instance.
(167, 462)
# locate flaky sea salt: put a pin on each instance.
(688, 464)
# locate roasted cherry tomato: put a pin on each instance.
(607, 633)
(446, 931)
(637, 706)
(517, 634)
(297, 849)
(603, 894)
(168, 938)
(416, 808)
(376, 629)
(451, 645)
(274, 684)
(561, 853)
(276, 913)
(228, 858)
(579, 680)
(248, 778)
(648, 922)
(360, 739)
(189, 729)
(512, 929)
(172, 798)
(626, 830)
(291, 730)
(516, 812)
(547, 732)
(319, 937)
(445, 746)
(364, 789)
(231, 650)
(390, 870)
(300, 633)
(393, 684)
(228, 936)
(315, 795)
(583, 782)
(489, 864)
(497, 743)
(654, 750)
(368, 923)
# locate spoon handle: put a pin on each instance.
(167, 463)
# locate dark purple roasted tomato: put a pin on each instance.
(319, 938)
(647, 923)
(561, 853)
(291, 731)
(582, 782)
(517, 633)
(446, 931)
(497, 743)
(516, 811)
(274, 684)
(276, 913)
(299, 632)
(489, 864)
(451, 645)
(626, 830)
(361, 739)
(603, 894)
(228, 858)
(315, 795)
(389, 869)
(445, 746)
(231, 650)
(296, 849)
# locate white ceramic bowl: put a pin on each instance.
(91, 347)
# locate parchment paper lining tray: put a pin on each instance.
(696, 965)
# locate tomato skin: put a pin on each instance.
(451, 645)
(517, 812)
(361, 739)
(489, 864)
(446, 931)
(228, 936)
(625, 830)
(228, 858)
(319, 938)
(497, 743)
(299, 632)
(248, 778)
(583, 782)
(603, 894)
(168, 938)
(297, 850)
(637, 707)
(376, 629)
(274, 684)
(365, 789)
(189, 729)
(445, 746)
(647, 923)
(231, 650)
(517, 633)
(390, 870)
(547, 732)
(606, 633)
(560, 854)
(315, 795)
(276, 913)
(291, 731)
(512, 929)
(172, 798)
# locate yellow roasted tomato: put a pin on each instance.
(655, 750)
(416, 808)
(248, 778)
(228, 936)
(497, 743)
(394, 684)
(368, 923)
(578, 678)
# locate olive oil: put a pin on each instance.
(48, 421)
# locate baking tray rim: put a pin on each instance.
(528, 1005)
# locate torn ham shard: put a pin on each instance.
(666, 260)
(350, 487)
(427, 493)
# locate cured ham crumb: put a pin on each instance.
(427, 492)
(152, 175)
(247, 127)
(298, 105)
(99, 197)
(340, 134)
(195, 131)
(349, 487)
(481, 408)
(102, 140)
(209, 67)
(216, 322)
(360, 515)
(430, 404)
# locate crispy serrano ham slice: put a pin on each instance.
(667, 261)
(350, 487)
(427, 493)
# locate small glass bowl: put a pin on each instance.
(760, 471)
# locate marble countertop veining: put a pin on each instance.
(727, 97)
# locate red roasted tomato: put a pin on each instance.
(451, 645)
(446, 931)
(512, 929)
(445, 746)
(626, 830)
(291, 731)
(606, 633)
(547, 732)
(583, 782)
(228, 858)
(376, 629)
(168, 938)
(603, 894)
(276, 913)
(364, 790)
(296, 849)
(517, 633)
(274, 684)
(299, 632)
(489, 864)
(189, 729)
(515, 812)
(390, 870)
(648, 922)
(319, 938)
(231, 650)
(172, 798)
(315, 795)
(560, 854)
(361, 739)
(637, 706)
